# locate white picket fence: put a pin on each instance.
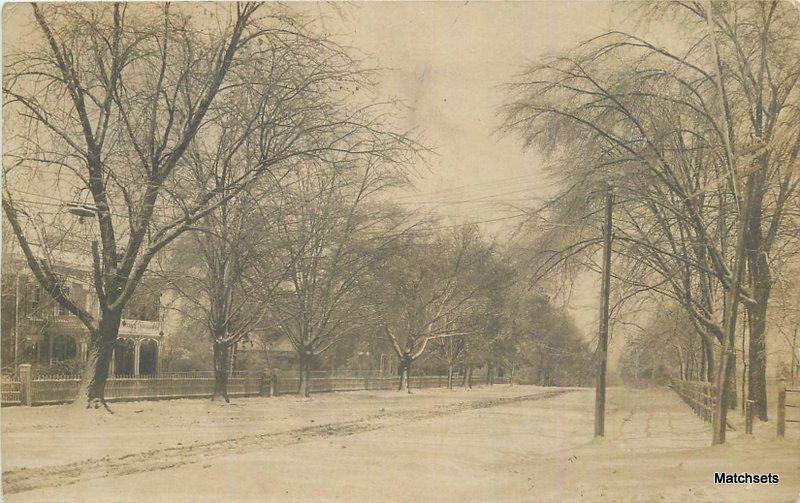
(31, 389)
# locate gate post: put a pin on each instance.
(26, 384)
(782, 408)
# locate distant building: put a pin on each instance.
(37, 330)
(265, 347)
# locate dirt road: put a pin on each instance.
(414, 408)
(498, 446)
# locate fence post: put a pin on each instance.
(26, 384)
(264, 384)
(748, 428)
(782, 408)
(274, 384)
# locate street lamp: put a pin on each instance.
(81, 210)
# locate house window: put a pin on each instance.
(34, 300)
(143, 307)
(63, 311)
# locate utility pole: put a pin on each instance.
(602, 340)
(16, 322)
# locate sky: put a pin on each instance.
(447, 62)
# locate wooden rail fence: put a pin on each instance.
(30, 389)
(700, 396)
(788, 398)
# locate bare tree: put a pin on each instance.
(664, 346)
(296, 109)
(430, 289)
(669, 130)
(111, 98)
(330, 230)
(225, 276)
(451, 351)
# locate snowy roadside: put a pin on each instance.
(55, 435)
(518, 450)
(656, 450)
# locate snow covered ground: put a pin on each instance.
(491, 444)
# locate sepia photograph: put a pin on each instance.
(400, 251)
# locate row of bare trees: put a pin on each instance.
(699, 137)
(108, 101)
(164, 122)
(236, 154)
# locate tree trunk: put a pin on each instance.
(721, 384)
(304, 390)
(708, 352)
(221, 351)
(405, 372)
(689, 363)
(760, 282)
(757, 316)
(91, 394)
(732, 377)
(489, 374)
(743, 377)
(730, 310)
(450, 377)
(710, 361)
(702, 368)
(744, 388)
(511, 377)
(467, 382)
